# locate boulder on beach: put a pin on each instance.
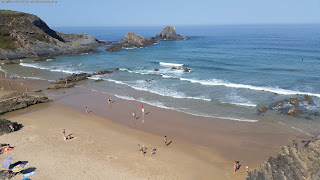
(98, 80)
(4, 126)
(308, 99)
(73, 78)
(294, 101)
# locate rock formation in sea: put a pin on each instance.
(291, 106)
(69, 81)
(291, 163)
(169, 33)
(135, 41)
(130, 41)
(16, 101)
(26, 35)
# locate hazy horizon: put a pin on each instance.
(144, 13)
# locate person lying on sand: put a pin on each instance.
(11, 128)
(153, 151)
(6, 148)
(67, 137)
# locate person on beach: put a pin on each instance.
(142, 152)
(134, 116)
(139, 147)
(165, 140)
(11, 128)
(86, 110)
(247, 169)
(26, 91)
(235, 166)
(142, 109)
(64, 132)
(110, 102)
(153, 151)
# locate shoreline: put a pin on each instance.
(249, 142)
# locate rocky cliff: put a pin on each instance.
(130, 41)
(291, 163)
(26, 35)
(169, 33)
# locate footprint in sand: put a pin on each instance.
(90, 141)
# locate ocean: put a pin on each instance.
(234, 70)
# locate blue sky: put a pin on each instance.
(171, 12)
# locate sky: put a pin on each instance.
(106, 13)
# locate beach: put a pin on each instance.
(105, 140)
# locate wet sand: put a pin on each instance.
(202, 148)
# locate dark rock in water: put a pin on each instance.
(173, 68)
(186, 70)
(6, 175)
(294, 101)
(293, 112)
(7, 62)
(308, 99)
(4, 126)
(169, 33)
(148, 80)
(116, 69)
(73, 78)
(102, 72)
(262, 109)
(98, 80)
(131, 41)
(69, 81)
(59, 86)
(26, 35)
(17, 101)
(291, 163)
(156, 70)
(40, 90)
(44, 58)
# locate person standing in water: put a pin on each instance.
(110, 103)
(142, 109)
(86, 110)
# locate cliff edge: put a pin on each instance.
(291, 163)
(26, 35)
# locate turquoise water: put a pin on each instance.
(234, 69)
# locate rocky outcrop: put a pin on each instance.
(169, 33)
(291, 106)
(69, 81)
(291, 163)
(102, 72)
(16, 101)
(130, 41)
(135, 41)
(26, 35)
(4, 126)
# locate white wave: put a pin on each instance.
(35, 78)
(49, 59)
(166, 76)
(241, 104)
(33, 66)
(215, 82)
(155, 103)
(118, 82)
(125, 97)
(170, 64)
(96, 77)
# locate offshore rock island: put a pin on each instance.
(26, 35)
(132, 40)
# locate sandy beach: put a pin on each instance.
(105, 140)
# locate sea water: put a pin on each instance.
(234, 70)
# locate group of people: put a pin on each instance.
(143, 150)
(236, 166)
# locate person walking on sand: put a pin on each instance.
(64, 132)
(235, 166)
(110, 102)
(165, 140)
(134, 116)
(247, 169)
(86, 110)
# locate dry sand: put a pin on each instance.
(101, 149)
